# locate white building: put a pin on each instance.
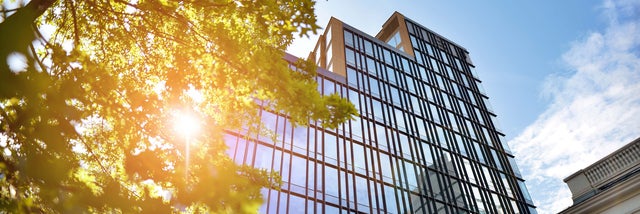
(611, 185)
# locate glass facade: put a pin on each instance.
(425, 141)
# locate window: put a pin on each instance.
(373, 85)
(390, 199)
(296, 204)
(358, 158)
(391, 75)
(348, 38)
(410, 84)
(329, 87)
(387, 56)
(368, 47)
(300, 140)
(411, 175)
(362, 193)
(264, 157)
(331, 184)
(351, 59)
(394, 95)
(525, 192)
(371, 66)
(385, 166)
(330, 149)
(298, 174)
(395, 40)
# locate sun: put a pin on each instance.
(186, 123)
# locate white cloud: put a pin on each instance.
(594, 110)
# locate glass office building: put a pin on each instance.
(425, 141)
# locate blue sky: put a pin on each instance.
(563, 76)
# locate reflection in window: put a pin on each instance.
(359, 159)
(362, 193)
(348, 38)
(391, 199)
(298, 175)
(395, 40)
(394, 95)
(391, 75)
(231, 142)
(411, 175)
(330, 149)
(368, 47)
(331, 184)
(351, 60)
(381, 138)
(329, 87)
(296, 204)
(371, 66)
(351, 77)
(514, 166)
(373, 84)
(300, 140)
(264, 155)
(356, 129)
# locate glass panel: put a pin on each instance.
(496, 159)
(371, 66)
(419, 57)
(348, 38)
(434, 63)
(330, 149)
(362, 194)
(479, 153)
(390, 199)
(381, 138)
(387, 56)
(298, 175)
(411, 175)
(514, 166)
(358, 158)
(410, 84)
(356, 129)
(469, 171)
(404, 146)
(377, 110)
(264, 157)
(426, 149)
(415, 108)
(373, 84)
(300, 140)
(391, 75)
(507, 186)
(497, 203)
(525, 192)
(394, 95)
(296, 204)
(331, 184)
(352, 77)
(488, 178)
(329, 87)
(230, 141)
(368, 47)
(385, 166)
(479, 200)
(461, 145)
(351, 60)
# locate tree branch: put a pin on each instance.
(76, 36)
(16, 33)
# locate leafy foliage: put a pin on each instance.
(86, 125)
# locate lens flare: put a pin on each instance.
(186, 124)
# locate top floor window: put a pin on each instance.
(395, 40)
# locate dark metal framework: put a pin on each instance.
(425, 141)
